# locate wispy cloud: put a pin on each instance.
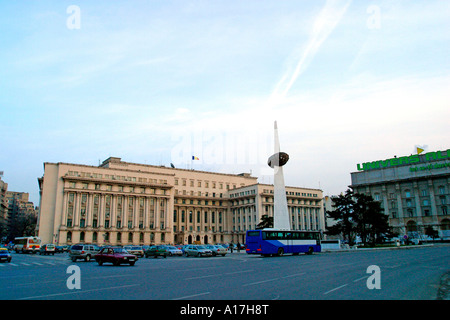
(324, 24)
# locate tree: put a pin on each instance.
(371, 223)
(266, 222)
(358, 214)
(429, 231)
(22, 225)
(343, 214)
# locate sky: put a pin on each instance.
(158, 82)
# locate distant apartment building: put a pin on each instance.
(413, 190)
(122, 203)
(3, 209)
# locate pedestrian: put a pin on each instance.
(231, 247)
(238, 247)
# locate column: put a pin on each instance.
(434, 209)
(418, 206)
(64, 209)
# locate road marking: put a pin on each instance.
(359, 279)
(25, 264)
(13, 264)
(192, 296)
(201, 277)
(229, 273)
(294, 275)
(259, 282)
(37, 263)
(336, 289)
(76, 292)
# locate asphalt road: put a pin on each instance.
(401, 274)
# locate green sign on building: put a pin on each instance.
(412, 159)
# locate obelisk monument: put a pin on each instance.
(277, 161)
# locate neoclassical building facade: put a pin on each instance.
(123, 203)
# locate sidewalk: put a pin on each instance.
(356, 248)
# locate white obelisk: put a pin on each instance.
(281, 213)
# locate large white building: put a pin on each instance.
(128, 203)
(413, 190)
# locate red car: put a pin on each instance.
(116, 256)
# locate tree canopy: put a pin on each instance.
(357, 214)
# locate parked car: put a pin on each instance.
(59, 249)
(116, 256)
(174, 251)
(197, 250)
(156, 251)
(5, 255)
(83, 251)
(47, 249)
(136, 250)
(217, 250)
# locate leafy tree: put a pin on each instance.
(266, 222)
(344, 216)
(371, 223)
(358, 214)
(22, 225)
(429, 231)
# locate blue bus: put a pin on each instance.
(268, 242)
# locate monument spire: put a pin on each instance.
(277, 161)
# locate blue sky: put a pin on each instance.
(159, 81)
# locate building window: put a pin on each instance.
(408, 193)
(441, 190)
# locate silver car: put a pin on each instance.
(217, 250)
(84, 252)
(136, 250)
(197, 251)
(174, 251)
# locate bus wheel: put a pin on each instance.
(280, 252)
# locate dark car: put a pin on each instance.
(116, 256)
(47, 249)
(5, 255)
(156, 251)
